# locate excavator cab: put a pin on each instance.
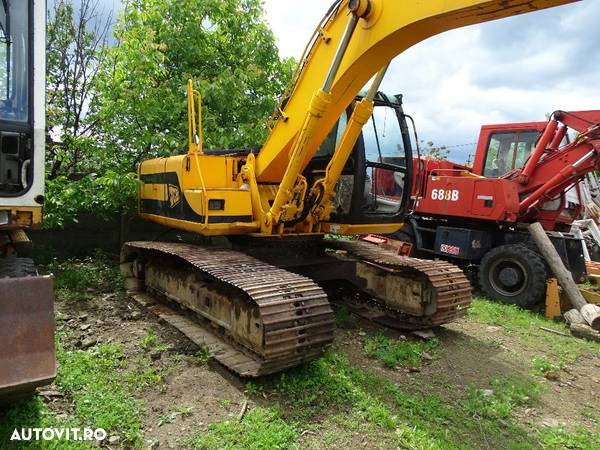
(376, 182)
(27, 354)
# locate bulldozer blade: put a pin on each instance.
(27, 353)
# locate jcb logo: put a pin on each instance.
(449, 195)
(174, 195)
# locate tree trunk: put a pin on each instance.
(573, 316)
(591, 314)
(565, 279)
(585, 332)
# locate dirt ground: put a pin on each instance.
(193, 395)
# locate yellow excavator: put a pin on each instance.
(256, 298)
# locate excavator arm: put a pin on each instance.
(552, 170)
(355, 40)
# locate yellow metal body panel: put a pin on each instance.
(552, 310)
(392, 27)
(220, 229)
(196, 192)
(23, 217)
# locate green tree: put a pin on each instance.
(224, 46)
(136, 106)
(75, 37)
(438, 153)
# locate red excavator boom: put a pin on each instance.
(551, 170)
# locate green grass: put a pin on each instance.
(331, 389)
(344, 318)
(510, 317)
(394, 353)
(200, 358)
(34, 413)
(97, 384)
(102, 386)
(143, 374)
(337, 402)
(525, 325)
(260, 429)
(502, 398)
(540, 365)
(579, 438)
(79, 279)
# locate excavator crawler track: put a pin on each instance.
(448, 286)
(255, 318)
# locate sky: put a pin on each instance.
(516, 69)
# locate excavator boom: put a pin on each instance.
(388, 29)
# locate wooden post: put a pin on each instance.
(564, 277)
(552, 309)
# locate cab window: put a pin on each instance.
(384, 185)
(508, 151)
(14, 60)
(330, 143)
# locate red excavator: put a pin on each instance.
(522, 173)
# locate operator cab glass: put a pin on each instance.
(14, 61)
(15, 84)
(373, 186)
(508, 151)
(384, 155)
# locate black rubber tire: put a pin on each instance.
(15, 267)
(530, 288)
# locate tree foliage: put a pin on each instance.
(224, 46)
(435, 152)
(75, 37)
(117, 105)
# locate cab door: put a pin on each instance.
(383, 177)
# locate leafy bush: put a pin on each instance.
(103, 196)
(131, 105)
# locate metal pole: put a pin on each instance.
(339, 54)
(376, 83)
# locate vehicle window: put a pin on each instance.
(526, 144)
(4, 43)
(500, 152)
(382, 136)
(383, 144)
(508, 151)
(14, 60)
(328, 146)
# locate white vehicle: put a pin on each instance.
(27, 354)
